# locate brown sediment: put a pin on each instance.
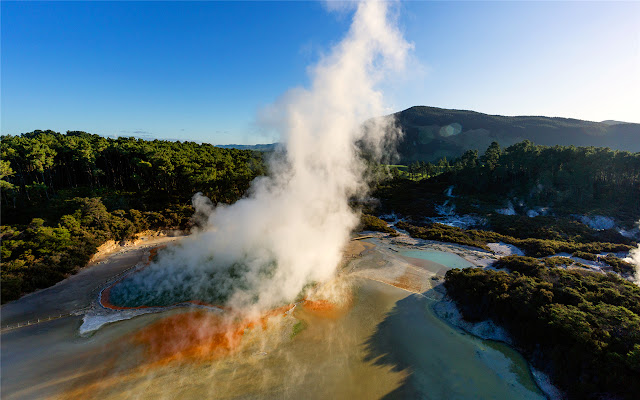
(408, 281)
(193, 336)
(197, 336)
(111, 246)
(154, 252)
(325, 308)
(203, 336)
(354, 249)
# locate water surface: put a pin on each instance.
(449, 260)
(387, 344)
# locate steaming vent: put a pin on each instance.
(262, 251)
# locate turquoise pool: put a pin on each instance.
(441, 257)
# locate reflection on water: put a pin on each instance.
(324, 359)
(387, 345)
(444, 362)
(447, 259)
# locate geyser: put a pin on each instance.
(291, 228)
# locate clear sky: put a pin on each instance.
(202, 70)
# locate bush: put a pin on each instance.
(371, 223)
(37, 256)
(581, 327)
(531, 246)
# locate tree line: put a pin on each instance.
(37, 165)
(568, 179)
(63, 195)
(581, 327)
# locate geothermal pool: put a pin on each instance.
(384, 343)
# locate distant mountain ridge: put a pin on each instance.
(256, 147)
(431, 133)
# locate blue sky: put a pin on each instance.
(202, 70)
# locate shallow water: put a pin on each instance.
(445, 362)
(449, 260)
(387, 344)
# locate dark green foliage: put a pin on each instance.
(586, 256)
(371, 223)
(443, 233)
(554, 228)
(531, 246)
(570, 180)
(65, 195)
(525, 265)
(619, 266)
(415, 199)
(36, 256)
(581, 327)
(124, 172)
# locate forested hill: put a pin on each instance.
(63, 195)
(432, 133)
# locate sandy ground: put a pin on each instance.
(78, 291)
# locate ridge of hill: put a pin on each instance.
(431, 133)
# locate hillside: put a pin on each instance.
(432, 133)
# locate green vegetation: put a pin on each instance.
(41, 165)
(419, 170)
(582, 328)
(570, 180)
(567, 179)
(371, 223)
(554, 228)
(531, 246)
(298, 327)
(65, 195)
(36, 256)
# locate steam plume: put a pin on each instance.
(292, 227)
(634, 259)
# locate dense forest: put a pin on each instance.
(568, 180)
(63, 195)
(581, 327)
(38, 165)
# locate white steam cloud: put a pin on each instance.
(634, 259)
(292, 227)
